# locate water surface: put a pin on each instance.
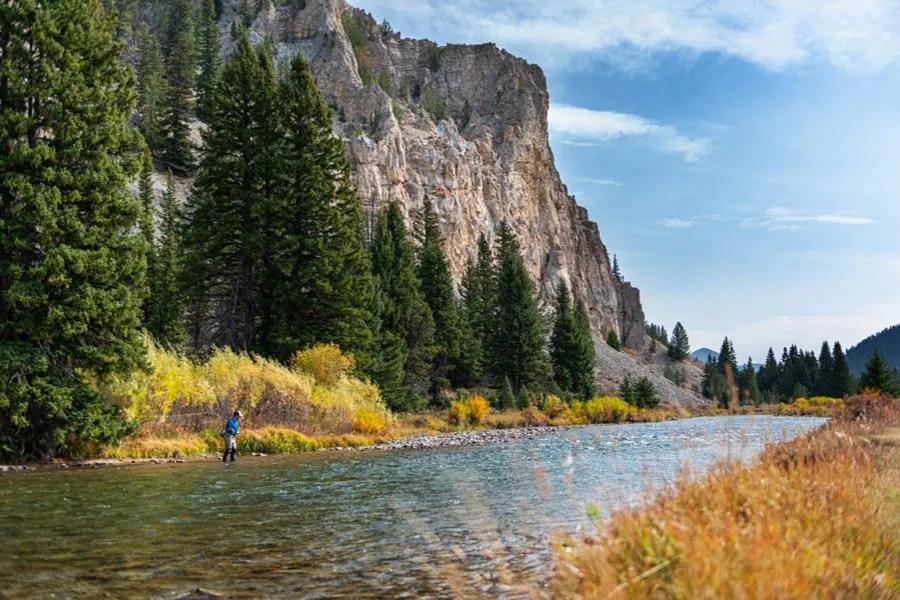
(361, 525)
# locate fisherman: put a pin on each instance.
(232, 426)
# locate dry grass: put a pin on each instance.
(813, 518)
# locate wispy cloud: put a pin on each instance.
(574, 124)
(778, 218)
(851, 34)
(611, 182)
(675, 223)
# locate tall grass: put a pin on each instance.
(813, 518)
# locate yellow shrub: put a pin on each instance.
(605, 409)
(533, 416)
(554, 407)
(458, 413)
(367, 420)
(325, 362)
(478, 409)
(275, 440)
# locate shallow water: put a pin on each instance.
(362, 525)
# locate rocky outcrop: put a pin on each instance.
(462, 126)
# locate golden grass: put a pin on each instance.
(813, 518)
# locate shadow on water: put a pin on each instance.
(445, 522)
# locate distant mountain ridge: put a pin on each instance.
(704, 354)
(887, 342)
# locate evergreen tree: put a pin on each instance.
(878, 376)
(478, 303)
(151, 87)
(680, 345)
(748, 383)
(768, 377)
(727, 359)
(71, 255)
(208, 42)
(322, 283)
(825, 375)
(177, 150)
(612, 340)
(516, 335)
(507, 398)
(165, 314)
(231, 216)
(404, 314)
(617, 272)
(437, 289)
(571, 347)
(841, 380)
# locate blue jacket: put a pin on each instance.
(232, 426)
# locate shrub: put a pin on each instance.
(612, 340)
(325, 362)
(533, 416)
(471, 411)
(434, 104)
(604, 409)
(458, 413)
(367, 420)
(554, 407)
(478, 409)
(275, 440)
(434, 58)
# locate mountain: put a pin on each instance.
(464, 126)
(703, 355)
(887, 343)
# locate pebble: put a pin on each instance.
(459, 438)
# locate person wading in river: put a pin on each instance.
(232, 426)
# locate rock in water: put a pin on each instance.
(200, 594)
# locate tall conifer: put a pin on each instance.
(517, 335)
(571, 347)
(176, 149)
(71, 256)
(165, 315)
(208, 44)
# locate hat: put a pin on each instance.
(238, 413)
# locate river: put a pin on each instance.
(434, 523)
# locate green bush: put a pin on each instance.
(612, 340)
(434, 104)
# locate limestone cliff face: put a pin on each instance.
(466, 127)
(463, 126)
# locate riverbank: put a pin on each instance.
(816, 517)
(434, 429)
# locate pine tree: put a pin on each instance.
(151, 87)
(748, 383)
(208, 42)
(727, 359)
(617, 272)
(680, 345)
(71, 255)
(437, 289)
(571, 348)
(478, 299)
(231, 216)
(841, 381)
(403, 312)
(507, 398)
(768, 377)
(176, 151)
(825, 375)
(165, 316)
(322, 286)
(517, 336)
(878, 376)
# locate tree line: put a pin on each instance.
(268, 254)
(798, 373)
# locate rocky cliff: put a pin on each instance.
(466, 127)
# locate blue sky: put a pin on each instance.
(742, 158)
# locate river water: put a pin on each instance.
(436, 523)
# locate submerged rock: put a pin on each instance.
(199, 594)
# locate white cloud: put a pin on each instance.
(611, 182)
(675, 223)
(581, 125)
(778, 218)
(776, 34)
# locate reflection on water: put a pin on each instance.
(363, 525)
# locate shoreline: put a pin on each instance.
(415, 441)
